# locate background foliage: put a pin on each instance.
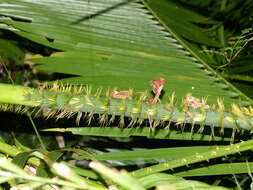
(199, 47)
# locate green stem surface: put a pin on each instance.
(219, 152)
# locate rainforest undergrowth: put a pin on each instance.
(135, 95)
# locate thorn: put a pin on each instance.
(122, 121)
(98, 93)
(78, 117)
(192, 129)
(89, 117)
(112, 118)
(201, 129)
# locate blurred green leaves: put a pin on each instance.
(125, 44)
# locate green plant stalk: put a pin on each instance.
(63, 170)
(36, 131)
(47, 181)
(119, 177)
(238, 77)
(8, 149)
(69, 101)
(12, 151)
(13, 94)
(180, 183)
(198, 157)
(218, 169)
(12, 170)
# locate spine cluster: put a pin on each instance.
(60, 102)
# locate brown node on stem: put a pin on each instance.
(157, 86)
(125, 94)
(195, 103)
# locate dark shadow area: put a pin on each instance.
(27, 44)
(50, 39)
(18, 19)
(161, 95)
(19, 123)
(102, 11)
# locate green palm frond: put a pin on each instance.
(119, 44)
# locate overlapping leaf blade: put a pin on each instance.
(121, 45)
